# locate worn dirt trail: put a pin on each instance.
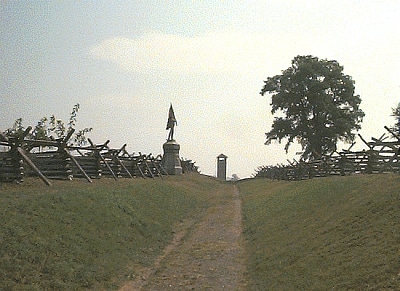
(205, 255)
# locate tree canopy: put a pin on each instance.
(314, 104)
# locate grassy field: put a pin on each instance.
(338, 233)
(76, 235)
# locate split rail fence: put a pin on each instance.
(380, 156)
(56, 159)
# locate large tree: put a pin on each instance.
(313, 103)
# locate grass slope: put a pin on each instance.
(337, 233)
(76, 235)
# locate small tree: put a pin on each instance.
(17, 130)
(396, 114)
(40, 131)
(79, 137)
(316, 106)
(51, 129)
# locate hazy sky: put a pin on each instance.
(126, 61)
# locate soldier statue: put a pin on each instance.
(171, 123)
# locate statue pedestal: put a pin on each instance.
(171, 159)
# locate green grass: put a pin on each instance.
(76, 235)
(338, 233)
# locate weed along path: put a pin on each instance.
(206, 254)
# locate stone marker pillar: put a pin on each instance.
(221, 167)
(171, 159)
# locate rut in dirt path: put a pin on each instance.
(210, 257)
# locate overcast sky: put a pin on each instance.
(126, 61)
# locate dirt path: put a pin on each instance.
(205, 255)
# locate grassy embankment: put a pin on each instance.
(76, 235)
(337, 233)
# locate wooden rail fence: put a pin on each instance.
(55, 159)
(380, 156)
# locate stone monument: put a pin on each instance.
(171, 159)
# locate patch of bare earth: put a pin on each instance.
(204, 255)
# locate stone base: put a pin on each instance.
(171, 159)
